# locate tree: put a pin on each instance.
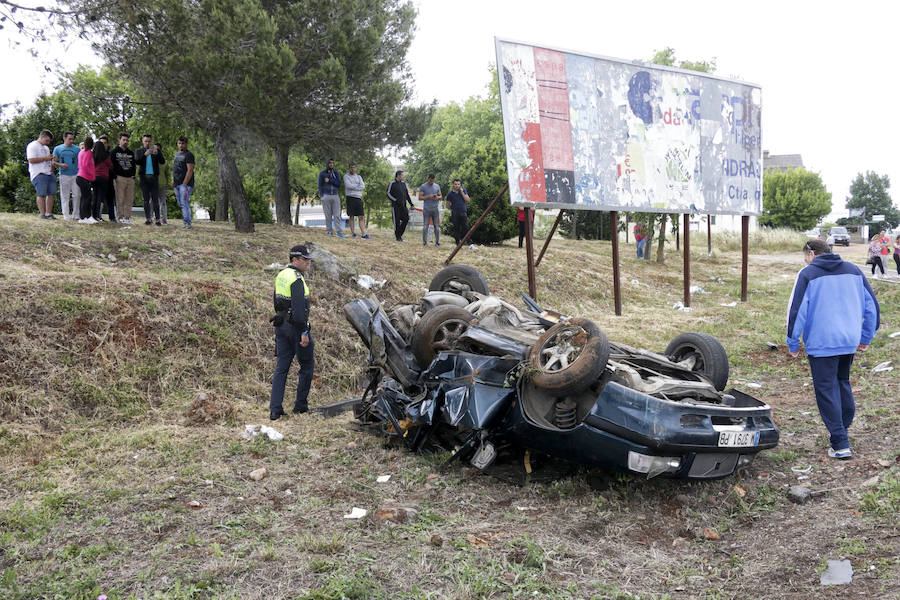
(466, 141)
(870, 192)
(796, 199)
(347, 87)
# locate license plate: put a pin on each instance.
(738, 439)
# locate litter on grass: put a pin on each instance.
(680, 306)
(696, 289)
(356, 513)
(895, 334)
(839, 572)
(383, 478)
(368, 282)
(251, 431)
(728, 304)
(882, 367)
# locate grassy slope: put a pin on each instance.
(111, 484)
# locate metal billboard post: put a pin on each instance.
(617, 289)
(549, 237)
(708, 235)
(745, 249)
(472, 229)
(529, 250)
(687, 260)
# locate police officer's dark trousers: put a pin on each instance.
(287, 345)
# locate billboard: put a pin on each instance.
(594, 133)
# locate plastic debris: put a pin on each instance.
(251, 431)
(275, 266)
(799, 469)
(839, 572)
(368, 282)
(473, 247)
(383, 478)
(696, 289)
(717, 279)
(882, 367)
(895, 334)
(635, 282)
(772, 346)
(728, 304)
(754, 384)
(357, 513)
(680, 306)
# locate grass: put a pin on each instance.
(124, 391)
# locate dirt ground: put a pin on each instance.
(126, 385)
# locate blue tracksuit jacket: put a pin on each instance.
(832, 307)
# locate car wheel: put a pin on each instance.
(459, 279)
(569, 356)
(705, 355)
(438, 330)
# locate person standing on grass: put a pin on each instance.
(520, 219)
(40, 172)
(875, 254)
(353, 189)
(124, 166)
(430, 195)
(897, 254)
(69, 194)
(148, 159)
(329, 184)
(640, 239)
(885, 250)
(834, 310)
(457, 200)
(399, 196)
(183, 174)
(102, 167)
(85, 179)
(292, 333)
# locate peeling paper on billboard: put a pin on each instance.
(603, 134)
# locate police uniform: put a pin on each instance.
(291, 300)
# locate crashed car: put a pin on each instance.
(469, 372)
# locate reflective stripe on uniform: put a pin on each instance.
(286, 277)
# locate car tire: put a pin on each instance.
(438, 330)
(569, 357)
(459, 279)
(711, 360)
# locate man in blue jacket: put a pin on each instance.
(835, 311)
(329, 183)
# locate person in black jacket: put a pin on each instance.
(148, 159)
(292, 335)
(399, 195)
(123, 178)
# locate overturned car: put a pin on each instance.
(471, 373)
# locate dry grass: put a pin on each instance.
(118, 478)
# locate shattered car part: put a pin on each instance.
(476, 376)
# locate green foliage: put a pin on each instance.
(56, 113)
(466, 141)
(585, 224)
(666, 57)
(16, 192)
(870, 191)
(796, 199)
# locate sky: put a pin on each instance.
(829, 91)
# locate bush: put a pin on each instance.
(16, 191)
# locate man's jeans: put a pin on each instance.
(831, 381)
(331, 206)
(183, 195)
(433, 214)
(640, 247)
(69, 188)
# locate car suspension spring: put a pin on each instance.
(566, 414)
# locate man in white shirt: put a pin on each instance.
(40, 171)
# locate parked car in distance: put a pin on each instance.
(813, 233)
(840, 235)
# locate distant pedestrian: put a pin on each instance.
(457, 201)
(69, 193)
(102, 168)
(183, 173)
(875, 254)
(640, 239)
(835, 311)
(353, 189)
(520, 219)
(897, 254)
(329, 184)
(398, 194)
(85, 180)
(830, 241)
(124, 168)
(292, 333)
(430, 195)
(885, 241)
(40, 171)
(148, 158)
(164, 180)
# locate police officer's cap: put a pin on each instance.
(301, 251)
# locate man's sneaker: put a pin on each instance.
(274, 416)
(50, 216)
(365, 237)
(300, 411)
(148, 222)
(437, 243)
(843, 454)
(165, 222)
(353, 235)
(44, 217)
(339, 234)
(91, 221)
(158, 224)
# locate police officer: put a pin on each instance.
(292, 336)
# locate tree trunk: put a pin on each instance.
(234, 187)
(650, 231)
(282, 186)
(221, 199)
(660, 246)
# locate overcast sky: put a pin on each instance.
(829, 90)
